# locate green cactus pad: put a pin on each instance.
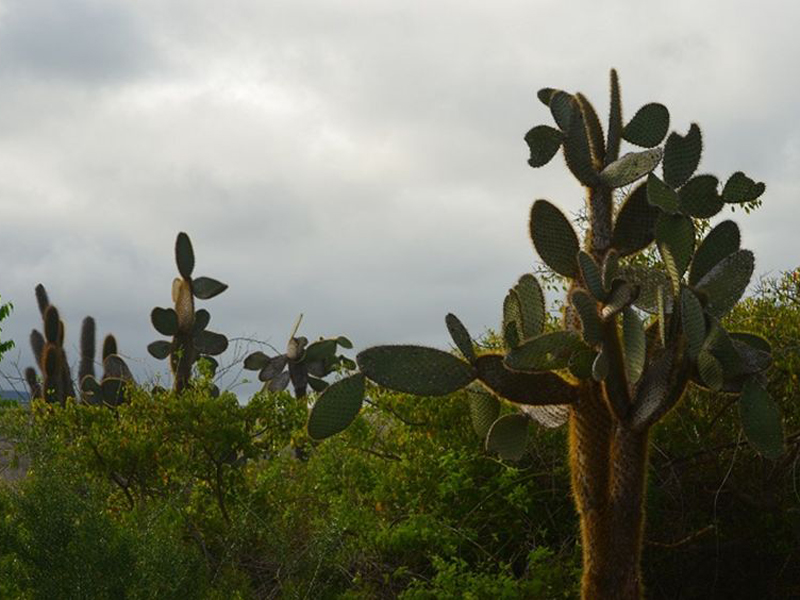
(201, 320)
(554, 238)
(160, 349)
(318, 385)
(699, 197)
(546, 352)
(113, 391)
(114, 366)
(648, 126)
(279, 382)
(634, 344)
(208, 342)
(590, 273)
(91, 390)
(336, 407)
(740, 188)
(722, 241)
(622, 294)
(296, 347)
(681, 156)
(649, 280)
(547, 415)
(662, 296)
(635, 223)
(460, 336)
(523, 388)
(273, 368)
(206, 288)
(321, 350)
(661, 195)
(165, 321)
(42, 300)
(761, 420)
(753, 360)
(752, 340)
(344, 342)
(484, 408)
(51, 324)
(652, 390)
(675, 239)
(710, 370)
(721, 346)
(109, 346)
(37, 345)
(415, 369)
(184, 255)
(512, 320)
(256, 361)
(610, 268)
(531, 305)
(508, 436)
(600, 366)
(694, 322)
(614, 121)
(580, 362)
(545, 94)
(594, 130)
(725, 283)
(586, 306)
(562, 107)
(543, 141)
(577, 152)
(630, 167)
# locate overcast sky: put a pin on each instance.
(360, 162)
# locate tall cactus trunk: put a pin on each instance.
(609, 465)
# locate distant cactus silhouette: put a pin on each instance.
(187, 327)
(634, 337)
(56, 381)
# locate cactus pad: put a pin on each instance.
(634, 344)
(205, 288)
(761, 420)
(740, 188)
(630, 167)
(694, 322)
(614, 120)
(562, 107)
(512, 320)
(415, 369)
(661, 195)
(610, 268)
(722, 241)
(52, 324)
(484, 408)
(623, 294)
(208, 342)
(675, 238)
(461, 337)
(531, 305)
(699, 197)
(590, 272)
(726, 282)
(545, 94)
(336, 407)
(184, 255)
(594, 130)
(648, 126)
(578, 152)
(635, 223)
(543, 141)
(508, 436)
(165, 321)
(523, 388)
(549, 351)
(554, 238)
(586, 306)
(600, 366)
(159, 349)
(681, 156)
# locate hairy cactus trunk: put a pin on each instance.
(608, 464)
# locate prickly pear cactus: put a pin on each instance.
(304, 365)
(190, 341)
(633, 337)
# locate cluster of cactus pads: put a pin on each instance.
(190, 341)
(633, 336)
(57, 383)
(305, 365)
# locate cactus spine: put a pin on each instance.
(634, 337)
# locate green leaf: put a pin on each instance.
(740, 188)
(648, 126)
(165, 320)
(630, 167)
(586, 306)
(415, 369)
(724, 284)
(635, 222)
(661, 195)
(694, 322)
(761, 420)
(484, 408)
(184, 255)
(544, 142)
(208, 342)
(634, 344)
(205, 288)
(336, 407)
(699, 198)
(675, 235)
(590, 273)
(681, 156)
(554, 238)
(531, 305)
(523, 388)
(722, 241)
(460, 336)
(160, 349)
(508, 436)
(546, 352)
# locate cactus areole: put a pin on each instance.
(635, 333)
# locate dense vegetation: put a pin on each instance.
(183, 495)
